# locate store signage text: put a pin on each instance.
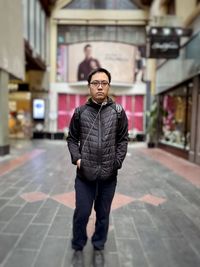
(165, 46)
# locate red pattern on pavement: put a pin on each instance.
(182, 167)
(150, 199)
(15, 163)
(34, 196)
(67, 199)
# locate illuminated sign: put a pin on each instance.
(38, 109)
(164, 42)
(164, 47)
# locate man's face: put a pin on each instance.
(99, 87)
(88, 52)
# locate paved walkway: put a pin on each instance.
(155, 218)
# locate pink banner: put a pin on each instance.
(66, 106)
(133, 106)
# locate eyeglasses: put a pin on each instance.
(96, 84)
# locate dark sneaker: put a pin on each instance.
(98, 258)
(77, 260)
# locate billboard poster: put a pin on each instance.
(75, 61)
(62, 63)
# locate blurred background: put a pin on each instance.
(151, 48)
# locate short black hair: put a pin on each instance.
(99, 70)
(86, 46)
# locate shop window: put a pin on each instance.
(20, 122)
(134, 107)
(126, 34)
(103, 4)
(176, 118)
(66, 106)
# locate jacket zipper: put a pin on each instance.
(99, 147)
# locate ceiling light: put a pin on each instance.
(179, 31)
(154, 31)
(166, 31)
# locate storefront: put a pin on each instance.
(20, 118)
(178, 89)
(133, 105)
(76, 58)
(175, 131)
(28, 110)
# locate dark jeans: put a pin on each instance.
(100, 193)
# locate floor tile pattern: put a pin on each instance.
(154, 222)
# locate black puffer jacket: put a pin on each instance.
(101, 144)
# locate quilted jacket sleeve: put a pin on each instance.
(122, 139)
(74, 138)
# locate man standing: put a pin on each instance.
(97, 141)
(88, 64)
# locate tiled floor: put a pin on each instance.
(155, 218)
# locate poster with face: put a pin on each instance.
(75, 61)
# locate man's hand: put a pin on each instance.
(78, 163)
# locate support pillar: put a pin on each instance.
(194, 153)
(151, 75)
(4, 131)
